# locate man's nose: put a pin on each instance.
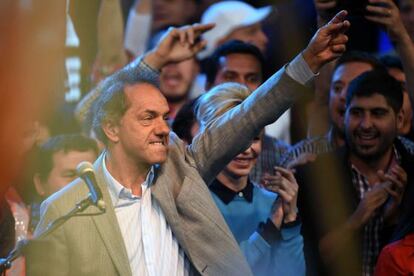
(343, 93)
(162, 127)
(366, 121)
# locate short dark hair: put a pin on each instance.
(359, 56)
(391, 62)
(65, 143)
(231, 47)
(184, 120)
(376, 82)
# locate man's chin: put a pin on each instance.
(177, 98)
(368, 154)
(158, 159)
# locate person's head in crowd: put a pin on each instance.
(167, 13)
(185, 124)
(407, 15)
(235, 61)
(373, 114)
(176, 79)
(34, 133)
(347, 68)
(215, 103)
(395, 69)
(133, 118)
(234, 20)
(58, 158)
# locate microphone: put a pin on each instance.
(86, 172)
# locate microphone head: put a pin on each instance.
(84, 167)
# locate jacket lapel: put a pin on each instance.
(174, 206)
(108, 228)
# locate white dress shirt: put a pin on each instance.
(151, 246)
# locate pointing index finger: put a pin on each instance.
(202, 28)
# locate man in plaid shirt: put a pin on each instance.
(351, 199)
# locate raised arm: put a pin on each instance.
(234, 130)
(177, 44)
(386, 13)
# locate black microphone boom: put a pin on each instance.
(86, 172)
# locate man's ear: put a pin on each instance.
(197, 67)
(38, 185)
(111, 131)
(400, 119)
(208, 86)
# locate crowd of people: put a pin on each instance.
(212, 157)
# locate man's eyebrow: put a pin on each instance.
(155, 113)
(379, 109)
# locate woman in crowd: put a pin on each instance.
(264, 222)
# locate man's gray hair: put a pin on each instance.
(110, 106)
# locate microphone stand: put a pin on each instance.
(52, 226)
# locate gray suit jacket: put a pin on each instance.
(93, 244)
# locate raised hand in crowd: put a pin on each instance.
(332, 36)
(328, 43)
(178, 44)
(387, 14)
(283, 182)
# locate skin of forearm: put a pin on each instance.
(319, 117)
(154, 60)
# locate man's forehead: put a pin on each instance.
(353, 69)
(142, 86)
(239, 56)
(67, 157)
(231, 60)
(370, 102)
(143, 92)
(144, 97)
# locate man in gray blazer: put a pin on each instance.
(160, 218)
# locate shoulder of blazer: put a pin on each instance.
(68, 196)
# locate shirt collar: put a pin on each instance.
(395, 159)
(117, 191)
(227, 195)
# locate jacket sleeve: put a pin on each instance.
(234, 130)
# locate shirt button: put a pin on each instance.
(240, 194)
